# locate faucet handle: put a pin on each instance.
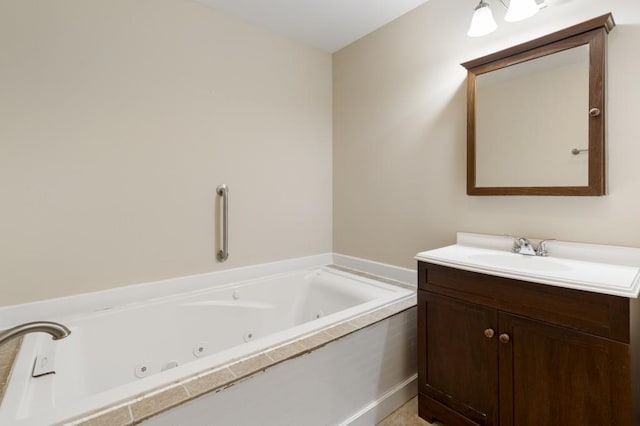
(523, 246)
(542, 247)
(517, 244)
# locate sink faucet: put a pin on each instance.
(523, 246)
(542, 247)
(57, 331)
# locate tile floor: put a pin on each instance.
(407, 415)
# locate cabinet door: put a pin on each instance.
(550, 375)
(459, 368)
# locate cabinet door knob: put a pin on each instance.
(504, 338)
(489, 333)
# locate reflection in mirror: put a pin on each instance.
(529, 118)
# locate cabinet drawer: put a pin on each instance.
(599, 314)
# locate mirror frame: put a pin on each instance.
(592, 33)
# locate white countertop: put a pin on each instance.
(590, 267)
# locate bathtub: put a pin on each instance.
(116, 354)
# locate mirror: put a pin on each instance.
(549, 125)
(535, 123)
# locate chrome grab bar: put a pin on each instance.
(223, 191)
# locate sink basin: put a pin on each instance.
(519, 261)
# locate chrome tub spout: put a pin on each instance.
(57, 331)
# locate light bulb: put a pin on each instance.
(521, 9)
(482, 22)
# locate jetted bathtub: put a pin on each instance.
(120, 352)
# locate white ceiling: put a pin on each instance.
(327, 24)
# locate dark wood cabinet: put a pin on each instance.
(468, 382)
(570, 377)
(497, 351)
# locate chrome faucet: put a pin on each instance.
(523, 246)
(542, 247)
(57, 331)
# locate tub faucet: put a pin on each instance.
(57, 331)
(523, 246)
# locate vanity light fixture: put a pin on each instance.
(482, 22)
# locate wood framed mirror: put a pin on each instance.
(536, 115)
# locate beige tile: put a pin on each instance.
(400, 284)
(287, 351)
(349, 270)
(8, 353)
(397, 283)
(341, 329)
(158, 402)
(407, 415)
(403, 305)
(373, 277)
(209, 381)
(364, 320)
(316, 340)
(118, 417)
(383, 313)
(340, 268)
(409, 303)
(413, 287)
(251, 365)
(8, 350)
(394, 308)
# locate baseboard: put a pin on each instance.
(377, 410)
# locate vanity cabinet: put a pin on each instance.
(499, 351)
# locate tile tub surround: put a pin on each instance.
(160, 400)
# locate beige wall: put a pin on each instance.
(119, 118)
(399, 136)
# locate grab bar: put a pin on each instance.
(223, 191)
